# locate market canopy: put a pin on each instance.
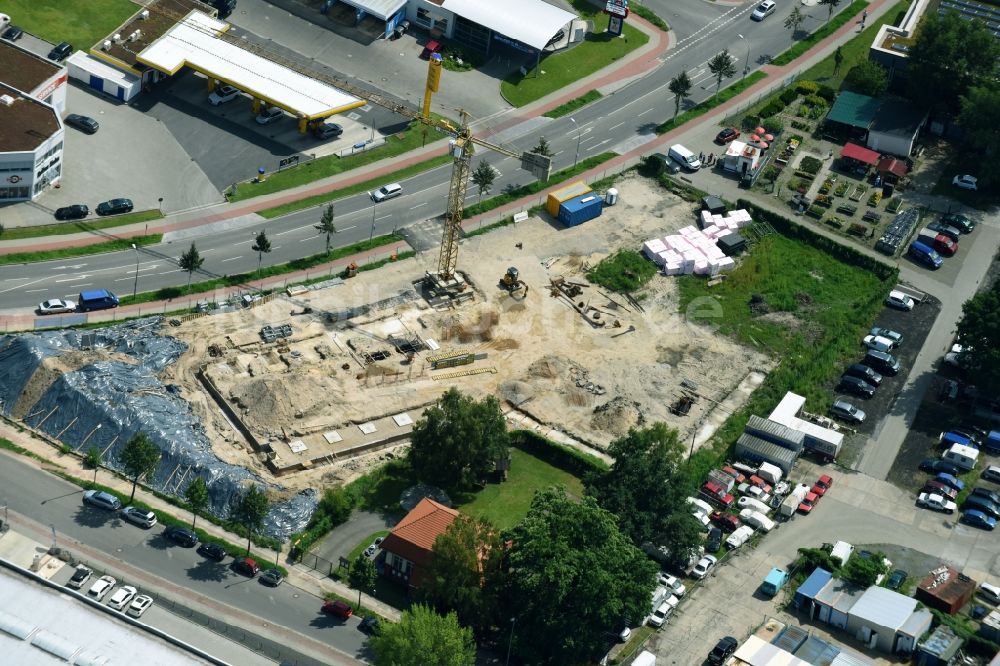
(854, 110)
(855, 152)
(892, 165)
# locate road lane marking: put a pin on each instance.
(411, 208)
(34, 291)
(616, 126)
(230, 259)
(387, 216)
(75, 279)
(639, 115)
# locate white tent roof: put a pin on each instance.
(194, 42)
(383, 9)
(533, 22)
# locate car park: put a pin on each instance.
(959, 221)
(936, 502)
(222, 94)
(114, 207)
(899, 300)
(85, 124)
(269, 115)
(386, 192)
(723, 650)
(74, 212)
(102, 500)
(976, 518)
(884, 362)
(272, 577)
(181, 536)
(856, 386)
(101, 587)
(122, 596)
(980, 503)
(337, 608)
(212, 551)
(945, 230)
(60, 51)
(845, 411)
(703, 567)
(246, 566)
(13, 33)
(878, 343)
(992, 473)
(896, 579)
(56, 306)
(80, 577)
(139, 605)
(965, 182)
(139, 517)
(763, 10)
(727, 135)
(987, 493)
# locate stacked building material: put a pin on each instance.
(693, 250)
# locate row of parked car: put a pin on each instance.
(862, 379)
(126, 598)
(109, 207)
(981, 507)
(940, 238)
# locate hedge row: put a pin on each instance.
(575, 462)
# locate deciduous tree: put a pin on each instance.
(680, 86)
(423, 637)
(191, 261)
(794, 20)
(140, 457)
(979, 129)
(196, 495)
(830, 6)
(979, 333)
(249, 509)
(326, 225)
(261, 245)
(362, 575)
(722, 66)
(542, 148)
(483, 177)
(868, 78)
(93, 460)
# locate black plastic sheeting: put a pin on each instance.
(123, 399)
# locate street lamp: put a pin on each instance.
(746, 66)
(135, 284)
(577, 126)
(159, 205)
(372, 234)
(510, 641)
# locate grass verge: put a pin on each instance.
(375, 183)
(65, 228)
(624, 271)
(825, 31)
(701, 108)
(574, 104)
(646, 13)
(116, 245)
(598, 50)
(537, 186)
(82, 24)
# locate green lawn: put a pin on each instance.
(504, 504)
(116, 245)
(63, 228)
(560, 70)
(82, 24)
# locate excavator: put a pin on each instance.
(513, 283)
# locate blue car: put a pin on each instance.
(977, 518)
(950, 481)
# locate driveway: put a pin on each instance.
(344, 538)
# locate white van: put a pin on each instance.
(964, 457)
(756, 519)
(740, 536)
(684, 157)
(701, 506)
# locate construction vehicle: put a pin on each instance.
(512, 283)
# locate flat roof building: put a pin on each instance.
(31, 145)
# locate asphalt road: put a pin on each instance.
(52, 501)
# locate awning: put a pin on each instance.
(863, 155)
(892, 165)
(531, 22)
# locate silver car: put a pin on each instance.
(846, 411)
(56, 306)
(102, 500)
(386, 192)
(139, 517)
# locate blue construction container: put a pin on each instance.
(580, 209)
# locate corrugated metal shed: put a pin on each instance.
(758, 450)
(756, 651)
(810, 588)
(852, 659)
(775, 432)
(884, 608)
(817, 652)
(580, 209)
(918, 622)
(839, 595)
(943, 643)
(791, 639)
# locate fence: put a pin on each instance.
(317, 563)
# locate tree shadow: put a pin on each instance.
(159, 542)
(87, 516)
(324, 621)
(209, 571)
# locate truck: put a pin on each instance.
(842, 551)
(774, 581)
(770, 473)
(645, 658)
(791, 503)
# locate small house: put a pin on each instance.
(939, 649)
(742, 157)
(888, 621)
(895, 128)
(805, 595)
(945, 589)
(408, 547)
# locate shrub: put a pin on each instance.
(774, 125)
(827, 93)
(789, 95)
(575, 462)
(750, 122)
(774, 107)
(814, 100)
(807, 87)
(810, 165)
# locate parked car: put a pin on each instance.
(114, 207)
(181, 536)
(977, 518)
(884, 362)
(935, 465)
(987, 493)
(139, 517)
(673, 584)
(337, 608)
(823, 484)
(717, 493)
(13, 33)
(386, 192)
(723, 650)
(704, 566)
(122, 596)
(965, 182)
(60, 51)
(951, 481)
(764, 10)
(899, 300)
(760, 483)
(936, 502)
(847, 412)
(55, 306)
(370, 625)
(661, 162)
(269, 115)
(945, 230)
(727, 521)
(660, 615)
(883, 332)
(101, 587)
(327, 130)
(856, 386)
(878, 343)
(102, 500)
(959, 221)
(271, 577)
(727, 135)
(85, 124)
(212, 551)
(990, 592)
(992, 473)
(896, 579)
(865, 372)
(74, 212)
(246, 566)
(223, 94)
(980, 503)
(808, 503)
(79, 577)
(139, 605)
(937, 488)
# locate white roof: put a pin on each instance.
(532, 22)
(383, 9)
(100, 68)
(883, 608)
(786, 414)
(194, 42)
(758, 652)
(963, 450)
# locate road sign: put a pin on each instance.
(617, 8)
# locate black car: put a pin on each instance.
(936, 465)
(980, 503)
(82, 123)
(897, 579)
(327, 131)
(114, 207)
(212, 551)
(960, 222)
(858, 387)
(723, 650)
(883, 362)
(74, 212)
(714, 541)
(370, 625)
(862, 371)
(181, 536)
(13, 33)
(61, 51)
(986, 493)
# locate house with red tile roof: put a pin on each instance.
(408, 547)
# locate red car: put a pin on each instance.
(760, 483)
(808, 503)
(246, 566)
(727, 135)
(338, 608)
(822, 485)
(938, 488)
(735, 473)
(717, 493)
(726, 521)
